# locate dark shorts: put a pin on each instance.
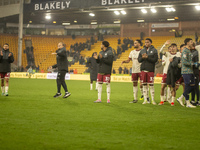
(147, 77)
(164, 79)
(136, 76)
(5, 75)
(188, 79)
(103, 78)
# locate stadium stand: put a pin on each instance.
(44, 46)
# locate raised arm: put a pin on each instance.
(162, 48)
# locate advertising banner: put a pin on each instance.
(44, 5)
(54, 76)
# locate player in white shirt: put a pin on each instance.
(169, 57)
(167, 92)
(135, 68)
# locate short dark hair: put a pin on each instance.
(174, 44)
(94, 53)
(149, 40)
(106, 43)
(6, 44)
(182, 45)
(187, 40)
(139, 41)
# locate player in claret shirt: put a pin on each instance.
(6, 58)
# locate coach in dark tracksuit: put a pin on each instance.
(62, 65)
(195, 59)
(93, 70)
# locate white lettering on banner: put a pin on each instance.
(67, 3)
(52, 5)
(37, 7)
(114, 2)
(41, 7)
(62, 6)
(130, 1)
(58, 5)
(46, 6)
(104, 2)
(123, 1)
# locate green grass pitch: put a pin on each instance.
(31, 119)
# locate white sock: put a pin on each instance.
(91, 86)
(165, 93)
(99, 91)
(135, 92)
(108, 91)
(141, 90)
(168, 94)
(152, 92)
(162, 98)
(145, 92)
(173, 99)
(2, 89)
(96, 85)
(6, 89)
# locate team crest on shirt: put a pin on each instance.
(105, 54)
(151, 52)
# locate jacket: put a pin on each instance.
(173, 72)
(186, 60)
(62, 62)
(149, 63)
(5, 61)
(106, 62)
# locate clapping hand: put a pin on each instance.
(10, 54)
(1, 53)
(144, 56)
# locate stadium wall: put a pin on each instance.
(187, 27)
(114, 78)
